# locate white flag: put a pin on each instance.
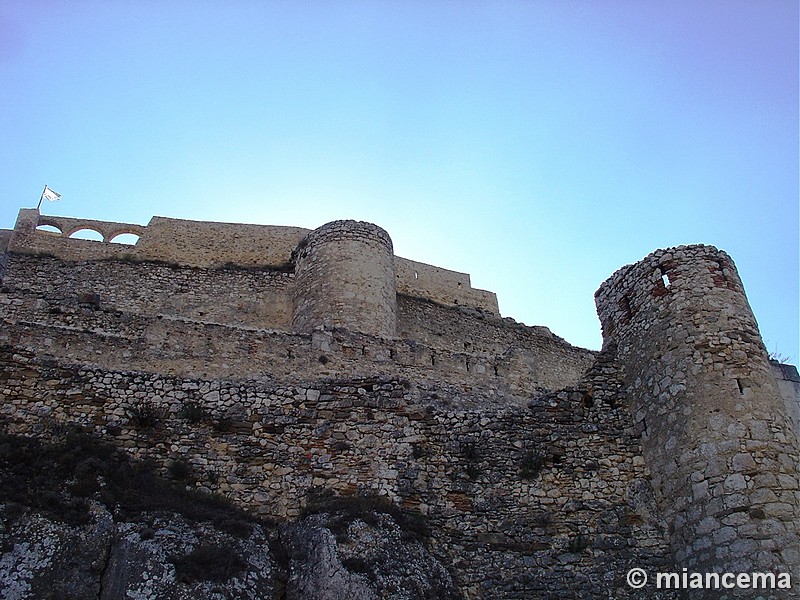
(51, 195)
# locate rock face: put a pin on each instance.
(85, 541)
(364, 555)
(163, 556)
(47, 559)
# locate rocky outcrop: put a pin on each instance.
(166, 556)
(158, 556)
(69, 534)
(361, 552)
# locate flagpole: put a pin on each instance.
(38, 206)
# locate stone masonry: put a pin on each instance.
(344, 277)
(274, 363)
(716, 432)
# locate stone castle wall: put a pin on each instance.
(192, 243)
(441, 285)
(233, 322)
(715, 429)
(521, 500)
(276, 362)
(203, 244)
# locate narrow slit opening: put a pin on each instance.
(625, 304)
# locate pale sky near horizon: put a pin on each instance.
(538, 146)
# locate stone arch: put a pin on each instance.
(86, 233)
(45, 221)
(129, 238)
(49, 230)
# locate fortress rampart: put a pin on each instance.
(210, 322)
(203, 244)
(279, 361)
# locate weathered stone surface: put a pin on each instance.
(46, 559)
(109, 560)
(718, 434)
(368, 557)
(344, 274)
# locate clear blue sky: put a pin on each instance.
(537, 145)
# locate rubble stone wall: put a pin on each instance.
(521, 501)
(254, 297)
(234, 322)
(205, 244)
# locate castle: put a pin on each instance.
(320, 360)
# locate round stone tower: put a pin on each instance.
(344, 277)
(715, 430)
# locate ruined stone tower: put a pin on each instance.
(715, 429)
(345, 277)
